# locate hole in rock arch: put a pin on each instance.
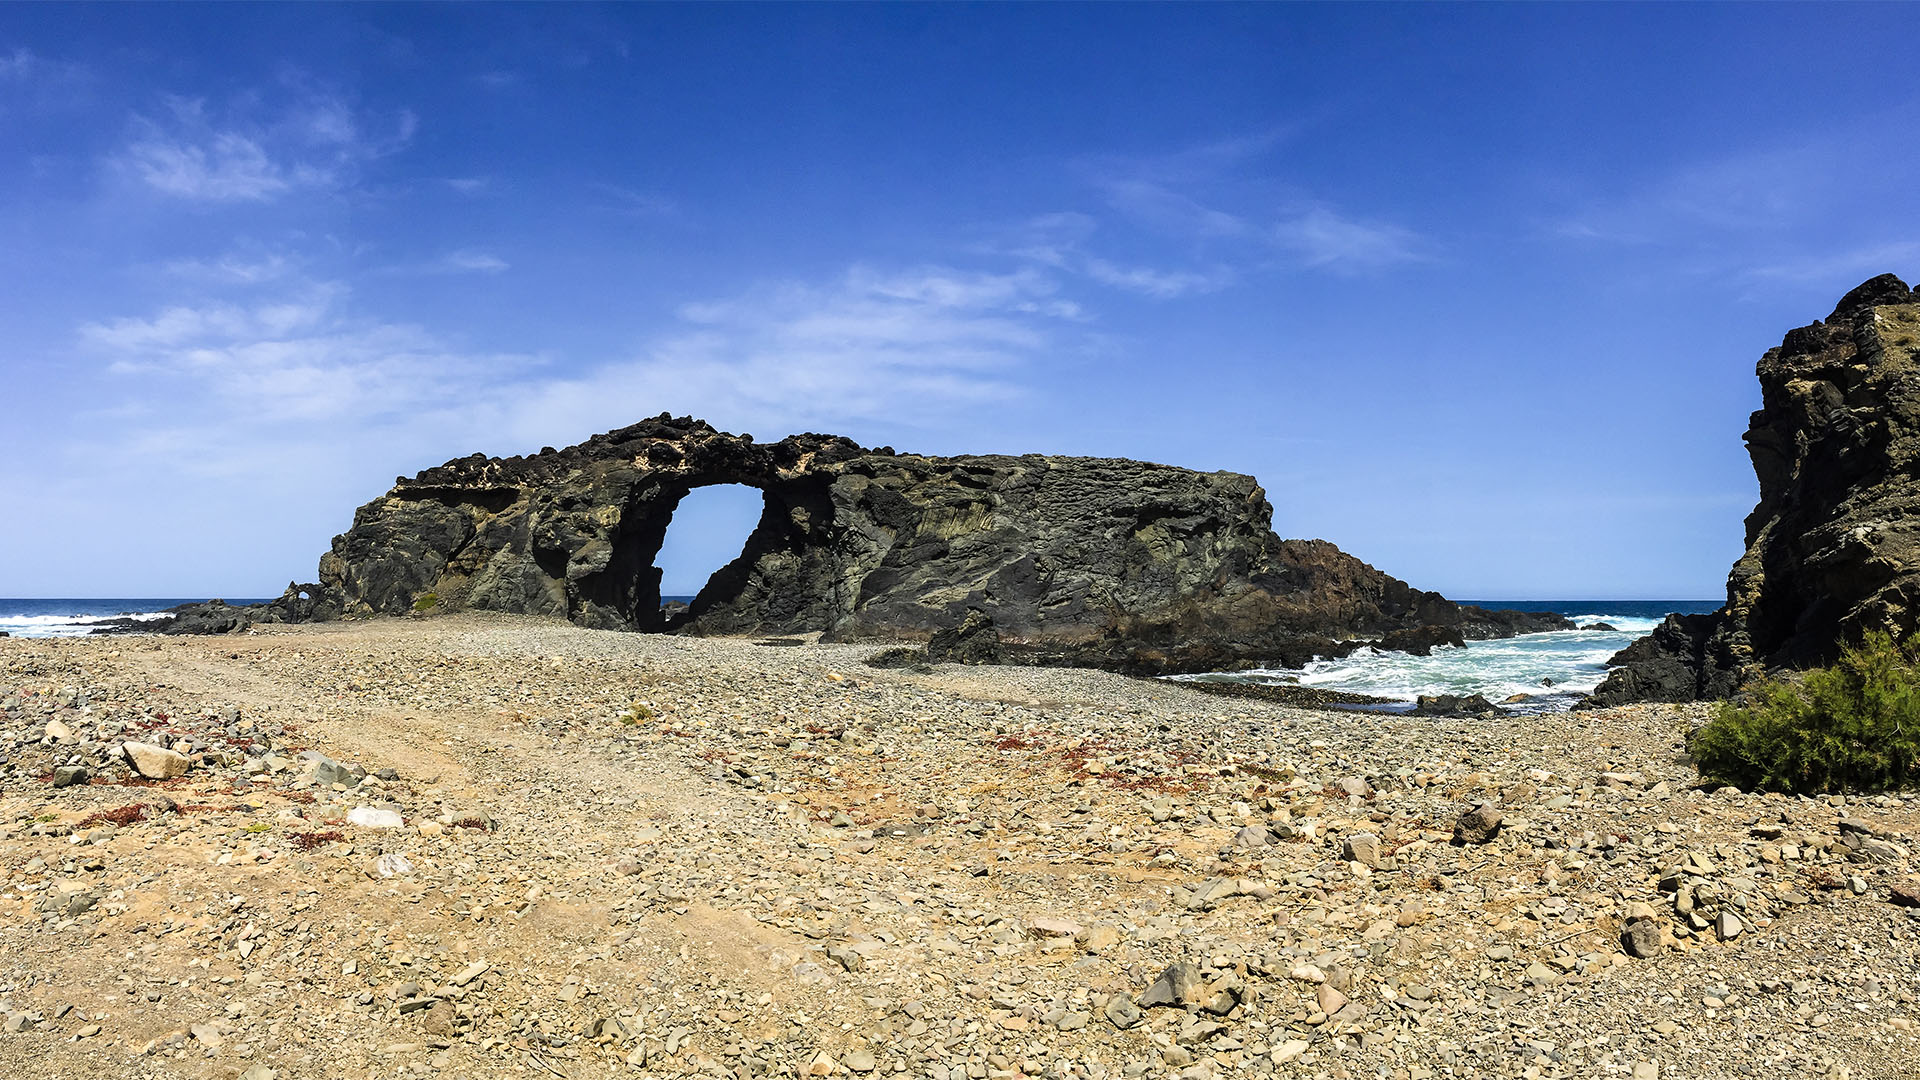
(708, 530)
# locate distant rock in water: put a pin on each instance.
(1607, 627)
(1453, 705)
(1420, 640)
(1833, 548)
(1055, 560)
(209, 617)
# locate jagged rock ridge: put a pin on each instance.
(1099, 561)
(1833, 547)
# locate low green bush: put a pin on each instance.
(426, 602)
(1854, 726)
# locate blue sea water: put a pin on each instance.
(78, 617)
(1552, 670)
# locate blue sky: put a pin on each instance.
(1475, 291)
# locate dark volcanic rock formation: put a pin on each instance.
(1833, 548)
(1097, 561)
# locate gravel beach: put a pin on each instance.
(480, 846)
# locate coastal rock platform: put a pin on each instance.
(477, 845)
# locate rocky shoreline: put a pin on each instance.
(1833, 546)
(475, 846)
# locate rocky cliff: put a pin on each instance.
(1833, 548)
(1112, 563)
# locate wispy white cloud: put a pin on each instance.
(40, 78)
(1320, 237)
(1214, 202)
(315, 143)
(1049, 239)
(471, 262)
(902, 347)
(1755, 192)
(1164, 209)
(1858, 263)
(469, 185)
(234, 268)
(18, 64)
(635, 201)
(303, 356)
(461, 261)
(1057, 241)
(302, 368)
(1164, 284)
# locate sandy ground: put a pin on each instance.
(639, 855)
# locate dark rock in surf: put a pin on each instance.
(1421, 640)
(212, 617)
(1833, 547)
(1453, 705)
(1608, 627)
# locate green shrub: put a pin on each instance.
(1854, 726)
(427, 602)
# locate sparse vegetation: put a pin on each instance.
(1854, 726)
(426, 603)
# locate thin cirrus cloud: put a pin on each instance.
(18, 64)
(927, 345)
(234, 269)
(918, 347)
(316, 143)
(1056, 241)
(301, 357)
(1198, 196)
(1322, 238)
(1164, 284)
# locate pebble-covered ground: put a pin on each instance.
(508, 847)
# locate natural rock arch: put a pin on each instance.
(1097, 561)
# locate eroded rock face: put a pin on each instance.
(1833, 548)
(1112, 563)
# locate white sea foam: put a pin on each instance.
(1551, 670)
(1624, 623)
(66, 625)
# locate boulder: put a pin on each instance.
(974, 641)
(1477, 826)
(1363, 848)
(1179, 984)
(155, 762)
(1453, 705)
(1641, 938)
(373, 817)
(1833, 546)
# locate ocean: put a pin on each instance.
(77, 618)
(1554, 670)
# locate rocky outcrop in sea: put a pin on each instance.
(1098, 562)
(1833, 548)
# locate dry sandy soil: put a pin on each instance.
(637, 855)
